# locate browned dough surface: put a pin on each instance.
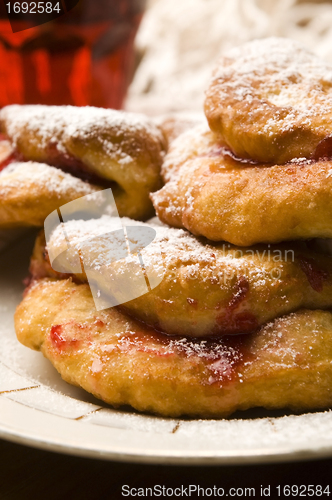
(122, 149)
(211, 194)
(271, 100)
(287, 364)
(205, 290)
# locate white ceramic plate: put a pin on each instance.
(39, 409)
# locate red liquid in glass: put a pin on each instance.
(84, 57)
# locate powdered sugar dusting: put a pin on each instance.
(180, 167)
(191, 144)
(281, 72)
(116, 132)
(171, 249)
(173, 242)
(32, 176)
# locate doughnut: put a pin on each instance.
(286, 364)
(203, 290)
(105, 147)
(212, 194)
(29, 191)
(270, 100)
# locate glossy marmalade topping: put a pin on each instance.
(219, 361)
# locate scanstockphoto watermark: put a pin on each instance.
(196, 491)
(268, 254)
(35, 13)
(186, 491)
(226, 275)
(237, 263)
(98, 254)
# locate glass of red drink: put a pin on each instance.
(84, 57)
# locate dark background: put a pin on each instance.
(31, 474)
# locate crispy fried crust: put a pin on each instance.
(271, 100)
(30, 191)
(211, 194)
(286, 364)
(120, 147)
(207, 290)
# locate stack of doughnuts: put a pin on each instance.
(243, 315)
(51, 155)
(260, 172)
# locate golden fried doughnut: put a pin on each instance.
(210, 193)
(271, 100)
(287, 364)
(205, 290)
(101, 144)
(29, 191)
